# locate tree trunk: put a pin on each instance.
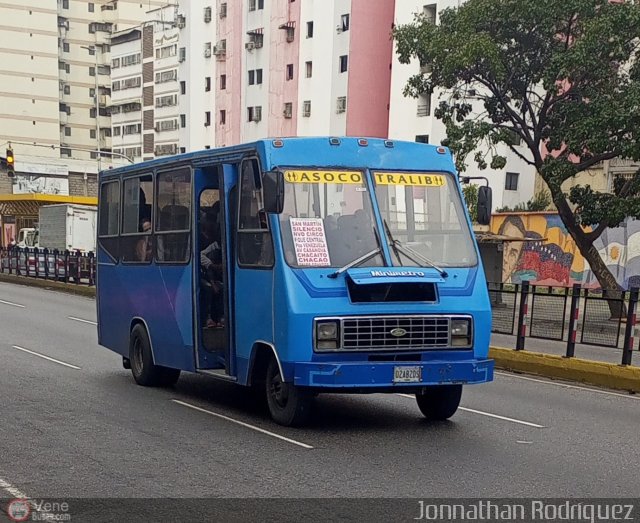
(606, 279)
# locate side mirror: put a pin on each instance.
(484, 205)
(273, 192)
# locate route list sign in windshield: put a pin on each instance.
(310, 242)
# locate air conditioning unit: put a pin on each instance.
(207, 53)
(182, 22)
(339, 28)
(287, 112)
(105, 99)
(219, 50)
(223, 10)
(182, 55)
(250, 46)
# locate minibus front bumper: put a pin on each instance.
(391, 375)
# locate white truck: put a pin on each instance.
(68, 227)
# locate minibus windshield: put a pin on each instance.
(425, 213)
(327, 220)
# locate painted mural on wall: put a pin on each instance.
(555, 260)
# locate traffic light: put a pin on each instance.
(11, 163)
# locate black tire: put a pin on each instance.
(144, 371)
(288, 405)
(439, 402)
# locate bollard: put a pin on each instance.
(66, 266)
(574, 314)
(630, 327)
(522, 315)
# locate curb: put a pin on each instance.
(609, 375)
(70, 288)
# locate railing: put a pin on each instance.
(568, 315)
(64, 266)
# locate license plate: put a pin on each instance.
(407, 374)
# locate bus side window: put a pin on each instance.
(173, 216)
(136, 239)
(109, 217)
(255, 247)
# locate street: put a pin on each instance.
(74, 424)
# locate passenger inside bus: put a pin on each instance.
(211, 277)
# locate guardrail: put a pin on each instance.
(566, 314)
(65, 266)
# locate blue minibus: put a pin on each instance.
(296, 266)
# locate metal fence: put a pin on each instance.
(65, 266)
(566, 314)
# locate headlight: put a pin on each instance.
(460, 332)
(327, 334)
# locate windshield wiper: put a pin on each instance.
(362, 259)
(410, 253)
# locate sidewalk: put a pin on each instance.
(585, 352)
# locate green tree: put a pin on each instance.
(470, 192)
(561, 76)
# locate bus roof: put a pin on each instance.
(317, 151)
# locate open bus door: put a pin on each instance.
(211, 267)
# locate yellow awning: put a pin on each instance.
(29, 204)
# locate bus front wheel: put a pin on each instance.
(144, 371)
(288, 405)
(439, 402)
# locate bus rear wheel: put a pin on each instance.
(144, 371)
(288, 405)
(439, 402)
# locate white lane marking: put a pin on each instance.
(12, 304)
(82, 321)
(46, 357)
(488, 414)
(18, 494)
(8, 487)
(567, 386)
(524, 442)
(242, 423)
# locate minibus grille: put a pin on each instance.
(395, 332)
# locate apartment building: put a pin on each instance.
(413, 119)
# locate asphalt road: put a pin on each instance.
(74, 424)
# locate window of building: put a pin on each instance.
(252, 77)
(341, 104)
(255, 247)
(67, 89)
(424, 105)
(422, 138)
(92, 7)
(223, 117)
(183, 120)
(309, 69)
(252, 5)
(288, 110)
(65, 4)
(254, 114)
(223, 82)
(92, 71)
(207, 14)
(344, 22)
(344, 62)
(511, 182)
(258, 76)
(166, 51)
(207, 118)
(116, 131)
(92, 112)
(173, 215)
(166, 76)
(260, 4)
(289, 71)
(65, 152)
(115, 63)
(134, 128)
(67, 131)
(309, 29)
(65, 47)
(306, 108)
(92, 92)
(92, 134)
(207, 84)
(132, 59)
(430, 12)
(183, 87)
(91, 51)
